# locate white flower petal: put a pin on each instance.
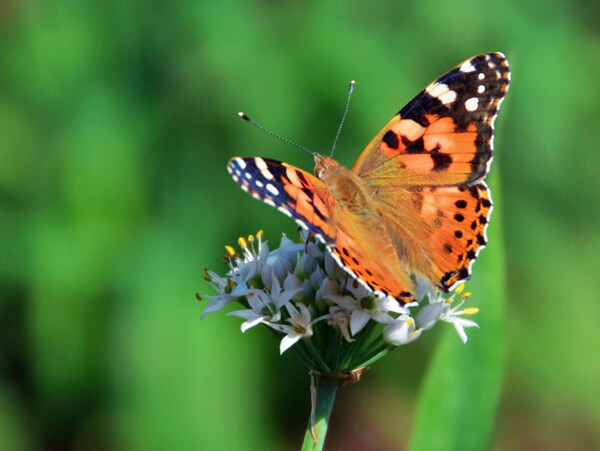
(358, 321)
(396, 333)
(429, 315)
(216, 303)
(316, 278)
(305, 312)
(401, 331)
(244, 314)
(239, 290)
(291, 282)
(460, 324)
(424, 288)
(389, 304)
(283, 328)
(288, 341)
(344, 301)
(258, 300)
(381, 317)
(251, 323)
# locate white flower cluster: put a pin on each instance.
(298, 285)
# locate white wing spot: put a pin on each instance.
(259, 183)
(435, 89)
(248, 175)
(285, 211)
(467, 66)
(264, 170)
(480, 89)
(472, 104)
(481, 76)
(448, 97)
(268, 201)
(245, 188)
(274, 191)
(441, 92)
(241, 163)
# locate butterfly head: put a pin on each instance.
(324, 166)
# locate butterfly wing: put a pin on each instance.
(292, 191)
(307, 200)
(424, 170)
(444, 135)
(366, 251)
(457, 219)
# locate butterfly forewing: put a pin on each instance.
(443, 136)
(292, 191)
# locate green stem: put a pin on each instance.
(323, 390)
(304, 355)
(379, 353)
(364, 337)
(316, 356)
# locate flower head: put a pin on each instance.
(301, 292)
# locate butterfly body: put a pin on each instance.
(414, 202)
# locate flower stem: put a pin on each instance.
(316, 356)
(323, 390)
(376, 355)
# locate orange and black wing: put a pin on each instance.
(294, 192)
(444, 136)
(425, 169)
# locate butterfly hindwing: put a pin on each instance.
(292, 191)
(372, 261)
(456, 243)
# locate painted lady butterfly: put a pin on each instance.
(415, 201)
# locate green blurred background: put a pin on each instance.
(116, 121)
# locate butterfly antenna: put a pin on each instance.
(350, 90)
(269, 132)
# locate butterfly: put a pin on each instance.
(415, 202)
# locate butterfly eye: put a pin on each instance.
(319, 170)
(321, 164)
(319, 167)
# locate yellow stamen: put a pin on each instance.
(230, 251)
(413, 333)
(410, 322)
(259, 234)
(242, 242)
(466, 295)
(471, 310)
(459, 289)
(250, 239)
